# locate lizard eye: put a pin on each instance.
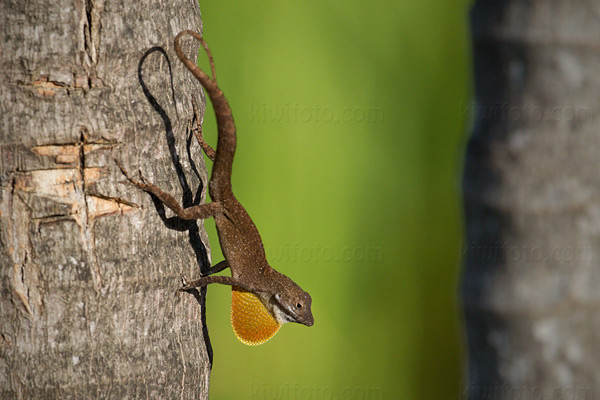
(298, 305)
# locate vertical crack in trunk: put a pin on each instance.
(87, 222)
(90, 27)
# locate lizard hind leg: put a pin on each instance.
(201, 211)
(197, 129)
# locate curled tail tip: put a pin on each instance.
(190, 32)
(204, 79)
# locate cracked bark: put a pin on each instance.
(90, 266)
(531, 192)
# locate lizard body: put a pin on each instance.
(262, 298)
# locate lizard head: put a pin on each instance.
(292, 304)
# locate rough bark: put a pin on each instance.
(89, 265)
(532, 202)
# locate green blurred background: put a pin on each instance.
(350, 128)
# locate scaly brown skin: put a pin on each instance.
(240, 241)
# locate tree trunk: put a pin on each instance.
(532, 201)
(90, 265)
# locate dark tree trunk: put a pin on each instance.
(89, 265)
(531, 284)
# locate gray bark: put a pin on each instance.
(532, 202)
(89, 265)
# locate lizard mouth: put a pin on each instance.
(300, 319)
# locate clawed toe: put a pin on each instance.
(127, 175)
(184, 284)
(184, 281)
(142, 178)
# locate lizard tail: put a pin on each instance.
(220, 180)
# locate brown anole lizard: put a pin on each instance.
(262, 298)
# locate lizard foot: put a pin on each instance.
(184, 284)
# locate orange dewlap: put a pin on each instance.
(251, 321)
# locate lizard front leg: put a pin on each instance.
(201, 211)
(207, 280)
